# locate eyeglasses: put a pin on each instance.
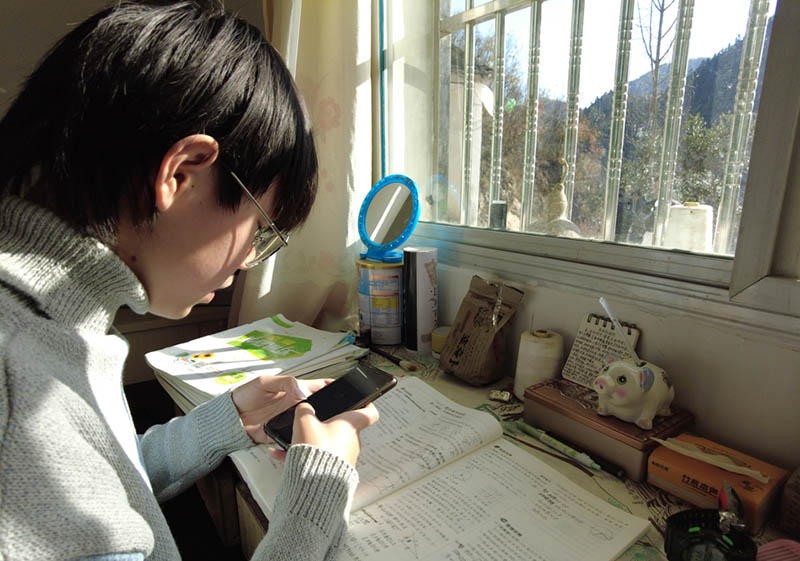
(267, 240)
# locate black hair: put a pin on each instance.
(92, 123)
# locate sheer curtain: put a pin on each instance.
(328, 47)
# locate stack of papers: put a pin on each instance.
(195, 371)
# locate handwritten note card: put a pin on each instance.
(597, 338)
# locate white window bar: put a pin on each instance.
(531, 116)
(672, 118)
(742, 124)
(618, 113)
(443, 71)
(467, 217)
(573, 111)
(497, 208)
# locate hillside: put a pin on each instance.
(710, 90)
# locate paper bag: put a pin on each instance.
(474, 350)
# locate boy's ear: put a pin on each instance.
(185, 158)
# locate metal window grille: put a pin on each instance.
(462, 88)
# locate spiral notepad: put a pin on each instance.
(596, 340)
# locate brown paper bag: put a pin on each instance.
(475, 349)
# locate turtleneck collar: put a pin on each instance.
(73, 278)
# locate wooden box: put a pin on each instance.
(568, 410)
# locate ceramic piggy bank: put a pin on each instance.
(634, 393)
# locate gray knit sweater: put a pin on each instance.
(75, 480)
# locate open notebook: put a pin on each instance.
(439, 481)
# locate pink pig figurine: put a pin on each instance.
(634, 393)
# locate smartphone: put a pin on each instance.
(359, 386)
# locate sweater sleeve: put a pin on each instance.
(309, 519)
(186, 448)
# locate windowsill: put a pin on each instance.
(704, 302)
(708, 270)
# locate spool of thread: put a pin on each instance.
(539, 359)
(690, 227)
(438, 337)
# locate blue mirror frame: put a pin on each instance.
(376, 251)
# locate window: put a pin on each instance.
(552, 123)
(614, 134)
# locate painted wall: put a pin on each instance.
(26, 34)
(743, 387)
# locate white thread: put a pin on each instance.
(539, 359)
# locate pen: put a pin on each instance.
(539, 434)
(402, 363)
(605, 465)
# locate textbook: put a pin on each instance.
(439, 481)
(195, 371)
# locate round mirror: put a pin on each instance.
(388, 215)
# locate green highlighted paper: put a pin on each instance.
(269, 346)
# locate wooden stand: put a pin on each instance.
(252, 522)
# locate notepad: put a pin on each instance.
(597, 339)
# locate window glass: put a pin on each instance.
(483, 118)
(445, 188)
(553, 74)
(451, 7)
(515, 91)
(665, 166)
(597, 79)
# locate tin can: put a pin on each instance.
(380, 291)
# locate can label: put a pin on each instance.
(380, 292)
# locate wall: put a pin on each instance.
(25, 35)
(743, 386)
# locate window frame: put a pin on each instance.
(771, 209)
(745, 288)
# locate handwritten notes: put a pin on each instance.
(597, 338)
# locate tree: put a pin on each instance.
(701, 160)
(654, 37)
(644, 126)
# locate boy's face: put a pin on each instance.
(194, 247)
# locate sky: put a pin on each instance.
(715, 25)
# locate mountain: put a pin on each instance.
(710, 91)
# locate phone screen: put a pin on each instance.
(361, 385)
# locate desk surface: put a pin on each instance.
(640, 499)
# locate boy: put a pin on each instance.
(154, 151)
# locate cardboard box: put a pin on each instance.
(700, 483)
(569, 411)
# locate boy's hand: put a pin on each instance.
(259, 400)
